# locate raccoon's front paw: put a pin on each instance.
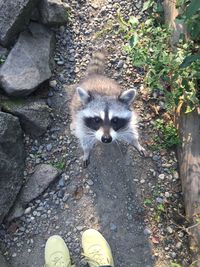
(86, 163)
(143, 152)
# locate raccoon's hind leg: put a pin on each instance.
(87, 146)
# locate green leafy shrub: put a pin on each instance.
(167, 135)
(190, 16)
(176, 74)
(149, 48)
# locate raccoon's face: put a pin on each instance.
(106, 117)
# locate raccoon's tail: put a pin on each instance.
(97, 63)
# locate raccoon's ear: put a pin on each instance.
(127, 96)
(85, 96)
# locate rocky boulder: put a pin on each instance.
(12, 157)
(53, 12)
(44, 175)
(14, 15)
(34, 115)
(29, 62)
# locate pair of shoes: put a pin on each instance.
(96, 251)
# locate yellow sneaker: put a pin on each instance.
(57, 253)
(96, 250)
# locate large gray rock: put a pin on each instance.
(13, 17)
(53, 12)
(29, 62)
(44, 175)
(34, 115)
(12, 157)
(3, 262)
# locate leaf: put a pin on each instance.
(178, 109)
(194, 29)
(179, 3)
(133, 20)
(134, 40)
(147, 5)
(78, 193)
(155, 240)
(188, 60)
(159, 8)
(189, 109)
(161, 207)
(193, 7)
(155, 109)
(147, 202)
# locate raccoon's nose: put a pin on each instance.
(106, 139)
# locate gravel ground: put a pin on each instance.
(135, 202)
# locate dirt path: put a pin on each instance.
(107, 195)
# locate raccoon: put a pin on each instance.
(100, 111)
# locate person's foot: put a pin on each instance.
(57, 253)
(96, 250)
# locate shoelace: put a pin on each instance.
(96, 257)
(59, 262)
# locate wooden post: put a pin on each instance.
(171, 13)
(189, 151)
(189, 166)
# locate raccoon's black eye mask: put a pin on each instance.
(119, 123)
(116, 123)
(93, 123)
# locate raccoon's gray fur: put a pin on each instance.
(101, 112)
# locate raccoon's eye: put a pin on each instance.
(97, 119)
(93, 123)
(115, 120)
(119, 123)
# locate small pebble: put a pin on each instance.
(167, 194)
(113, 227)
(178, 245)
(60, 63)
(49, 147)
(27, 210)
(53, 83)
(120, 64)
(147, 231)
(169, 230)
(90, 182)
(159, 200)
(161, 176)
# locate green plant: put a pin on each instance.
(2, 60)
(148, 44)
(167, 136)
(59, 165)
(190, 16)
(147, 202)
(159, 210)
